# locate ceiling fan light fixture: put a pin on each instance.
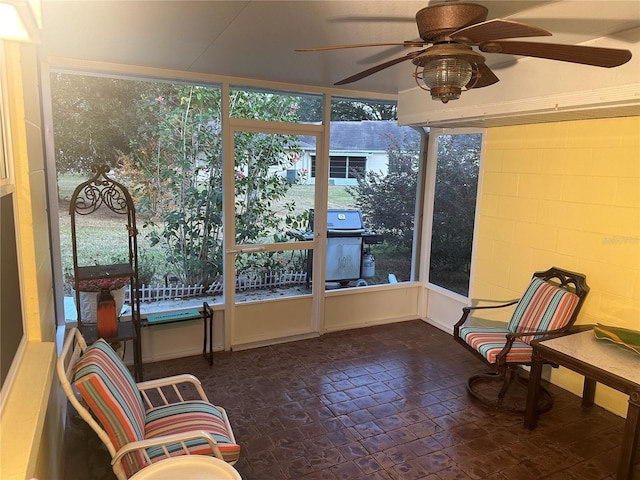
(444, 78)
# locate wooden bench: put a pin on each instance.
(206, 314)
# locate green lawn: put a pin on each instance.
(103, 237)
(67, 184)
(303, 196)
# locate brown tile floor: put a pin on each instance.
(385, 402)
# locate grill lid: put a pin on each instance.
(344, 220)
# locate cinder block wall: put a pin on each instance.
(564, 194)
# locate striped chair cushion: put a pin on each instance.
(110, 392)
(489, 342)
(187, 417)
(543, 307)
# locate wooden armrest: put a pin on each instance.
(172, 382)
(164, 441)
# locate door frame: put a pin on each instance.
(232, 250)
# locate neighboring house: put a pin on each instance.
(356, 148)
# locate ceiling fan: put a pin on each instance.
(450, 65)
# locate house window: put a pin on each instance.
(343, 166)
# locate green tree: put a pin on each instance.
(454, 210)
(176, 163)
(388, 201)
(93, 119)
(347, 109)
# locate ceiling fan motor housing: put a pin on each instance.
(445, 69)
(448, 50)
(437, 21)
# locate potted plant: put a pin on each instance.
(90, 291)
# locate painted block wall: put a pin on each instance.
(33, 413)
(564, 194)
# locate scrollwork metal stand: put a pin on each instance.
(88, 197)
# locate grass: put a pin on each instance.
(303, 196)
(102, 237)
(67, 184)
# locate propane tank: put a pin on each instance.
(368, 265)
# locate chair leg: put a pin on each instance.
(498, 390)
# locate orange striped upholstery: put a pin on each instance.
(543, 307)
(490, 342)
(189, 416)
(111, 393)
(109, 390)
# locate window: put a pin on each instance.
(375, 168)
(341, 167)
(13, 338)
(163, 142)
(454, 207)
(11, 328)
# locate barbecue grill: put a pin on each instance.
(347, 236)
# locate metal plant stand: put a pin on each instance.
(100, 191)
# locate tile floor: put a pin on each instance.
(385, 402)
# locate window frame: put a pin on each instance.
(347, 166)
(429, 207)
(143, 74)
(8, 187)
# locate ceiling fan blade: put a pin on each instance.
(596, 56)
(497, 29)
(377, 68)
(483, 78)
(408, 43)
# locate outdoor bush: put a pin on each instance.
(454, 210)
(387, 202)
(176, 165)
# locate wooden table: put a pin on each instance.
(599, 361)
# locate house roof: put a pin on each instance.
(369, 136)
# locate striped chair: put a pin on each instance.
(141, 423)
(549, 306)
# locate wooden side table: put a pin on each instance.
(599, 361)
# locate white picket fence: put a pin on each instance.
(150, 293)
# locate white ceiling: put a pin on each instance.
(256, 39)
